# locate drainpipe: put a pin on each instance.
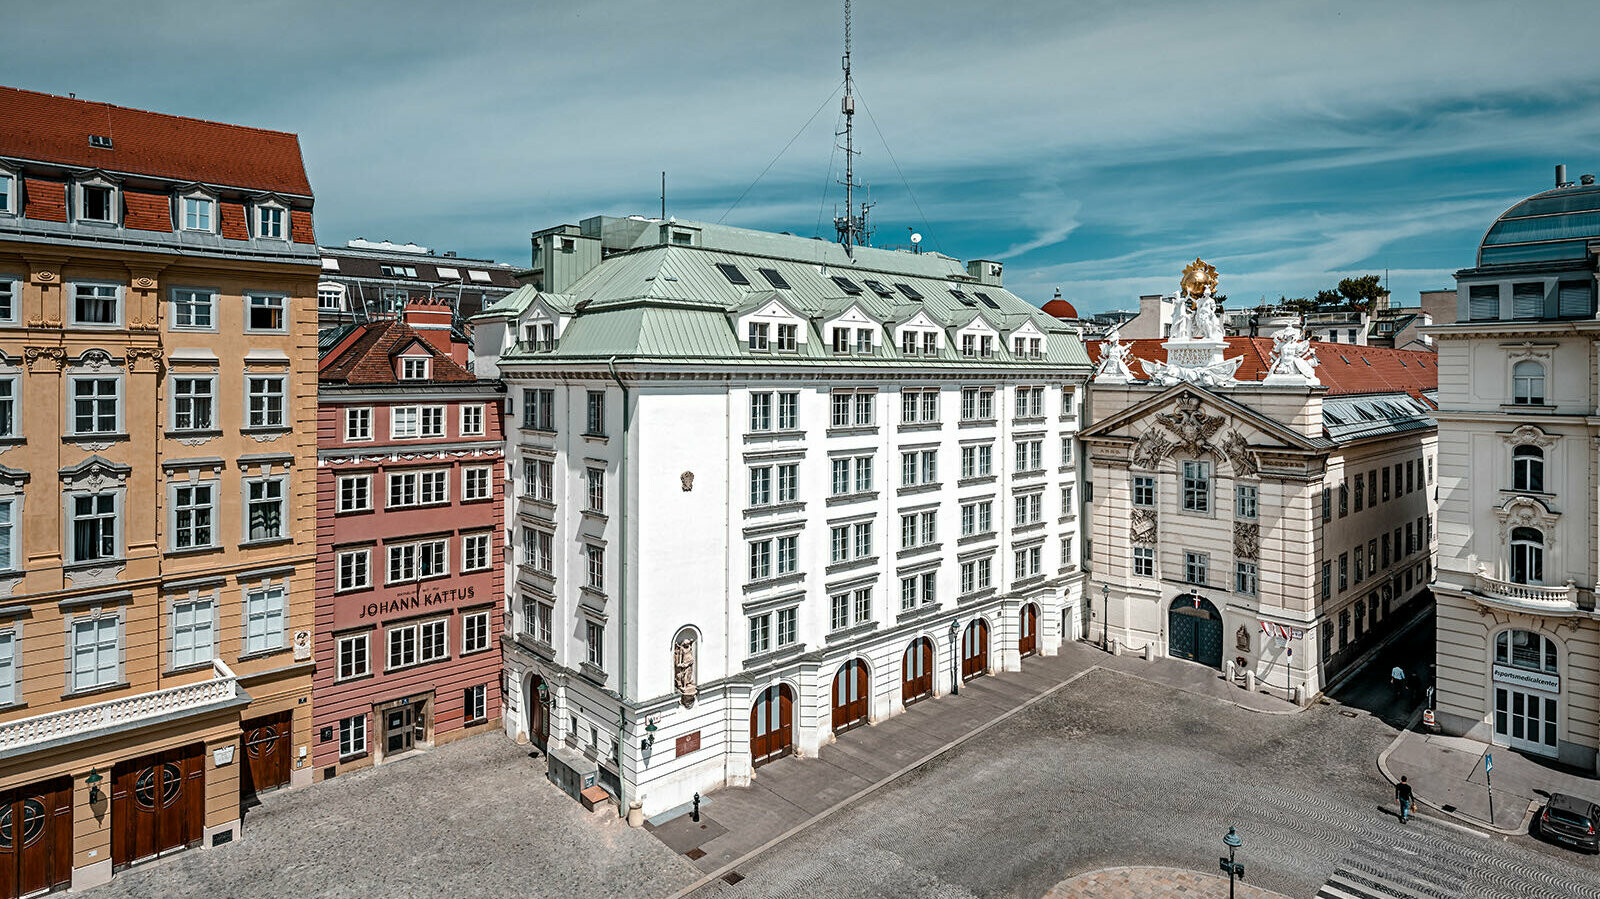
(622, 585)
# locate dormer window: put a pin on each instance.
(198, 213)
(272, 221)
(788, 338)
(8, 193)
(986, 346)
(1035, 348)
(841, 340)
(969, 345)
(1018, 346)
(330, 296)
(97, 202)
(930, 343)
(414, 368)
(908, 343)
(758, 336)
(864, 341)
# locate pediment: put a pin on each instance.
(853, 314)
(1027, 329)
(1186, 420)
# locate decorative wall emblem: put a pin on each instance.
(1246, 539)
(1530, 350)
(1151, 449)
(94, 474)
(44, 276)
(686, 480)
(144, 282)
(1530, 435)
(95, 360)
(150, 353)
(1527, 512)
(1237, 449)
(44, 358)
(1241, 639)
(1142, 527)
(1191, 425)
(302, 645)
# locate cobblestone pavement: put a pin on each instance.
(1116, 770)
(1152, 883)
(472, 818)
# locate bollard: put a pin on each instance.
(1149, 653)
(694, 814)
(635, 814)
(1232, 671)
(1116, 648)
(1295, 695)
(1250, 681)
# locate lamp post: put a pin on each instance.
(1233, 868)
(955, 658)
(1105, 617)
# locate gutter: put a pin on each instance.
(622, 584)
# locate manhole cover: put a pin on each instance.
(732, 877)
(696, 853)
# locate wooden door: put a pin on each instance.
(975, 650)
(772, 725)
(538, 716)
(1028, 641)
(266, 754)
(36, 838)
(916, 671)
(157, 804)
(850, 690)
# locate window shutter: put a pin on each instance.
(1483, 302)
(1575, 300)
(1527, 300)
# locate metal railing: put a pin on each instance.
(69, 723)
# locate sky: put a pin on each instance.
(1095, 147)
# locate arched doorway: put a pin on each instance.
(1194, 630)
(916, 671)
(975, 650)
(538, 713)
(1028, 639)
(772, 725)
(850, 690)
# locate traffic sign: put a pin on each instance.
(1488, 762)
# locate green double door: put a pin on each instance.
(1194, 632)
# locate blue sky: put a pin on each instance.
(1094, 146)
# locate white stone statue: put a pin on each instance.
(1114, 361)
(683, 668)
(1294, 360)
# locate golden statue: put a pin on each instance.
(1199, 279)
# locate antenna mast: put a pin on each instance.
(852, 228)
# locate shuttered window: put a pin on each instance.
(1575, 299)
(1483, 302)
(1527, 300)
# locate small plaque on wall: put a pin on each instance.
(302, 645)
(688, 743)
(222, 755)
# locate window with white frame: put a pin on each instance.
(352, 736)
(8, 193)
(977, 404)
(330, 295)
(760, 631)
(757, 337)
(475, 555)
(474, 703)
(1066, 450)
(919, 528)
(852, 474)
(537, 620)
(760, 560)
(1028, 561)
(271, 222)
(265, 395)
(595, 414)
(839, 611)
(263, 619)
(198, 212)
(266, 312)
(402, 646)
(193, 631)
(475, 483)
(10, 551)
(354, 569)
(96, 405)
(1030, 402)
(415, 368)
(1069, 509)
(355, 493)
(1246, 501)
(595, 489)
(538, 409)
(1196, 486)
(96, 652)
(8, 667)
(1144, 490)
(358, 423)
(850, 541)
(1028, 509)
(538, 549)
(977, 517)
(1030, 455)
(193, 403)
(10, 291)
(1246, 578)
(1144, 561)
(976, 574)
(417, 561)
(475, 632)
(194, 309)
(919, 406)
(402, 489)
(96, 305)
(919, 467)
(416, 421)
(97, 202)
(1194, 567)
(96, 526)
(538, 479)
(354, 656)
(788, 338)
(594, 641)
(597, 566)
(788, 554)
(265, 506)
(1527, 383)
(433, 640)
(472, 420)
(194, 509)
(977, 460)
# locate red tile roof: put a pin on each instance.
(369, 358)
(147, 212)
(47, 128)
(1345, 369)
(47, 200)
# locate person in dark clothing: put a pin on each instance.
(1402, 792)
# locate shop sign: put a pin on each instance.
(1521, 677)
(423, 599)
(688, 743)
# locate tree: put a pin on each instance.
(1298, 305)
(1361, 294)
(1328, 300)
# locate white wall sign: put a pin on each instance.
(1520, 677)
(222, 755)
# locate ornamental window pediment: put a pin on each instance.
(1527, 512)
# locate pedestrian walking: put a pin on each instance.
(1402, 792)
(1397, 681)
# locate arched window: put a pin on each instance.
(1525, 649)
(1527, 556)
(1527, 469)
(1527, 383)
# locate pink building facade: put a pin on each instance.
(410, 489)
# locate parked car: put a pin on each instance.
(1570, 820)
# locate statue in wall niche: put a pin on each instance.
(686, 481)
(1242, 639)
(683, 668)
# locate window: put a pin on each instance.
(1194, 567)
(760, 634)
(977, 518)
(788, 554)
(1344, 572)
(330, 296)
(414, 368)
(760, 411)
(1527, 469)
(864, 341)
(1030, 455)
(1027, 561)
(193, 508)
(474, 484)
(354, 656)
(269, 222)
(839, 607)
(841, 340)
(977, 460)
(1327, 504)
(1028, 508)
(1527, 383)
(1246, 501)
(1030, 402)
(1144, 561)
(760, 560)
(841, 544)
(96, 651)
(908, 343)
(761, 485)
(1344, 498)
(918, 528)
(788, 338)
(402, 647)
(756, 336)
(96, 405)
(475, 632)
(986, 345)
(919, 406)
(355, 569)
(538, 479)
(263, 619)
(1527, 556)
(1361, 492)
(265, 401)
(1246, 578)
(352, 736)
(96, 304)
(474, 552)
(538, 549)
(1574, 299)
(1144, 490)
(472, 420)
(1359, 567)
(1527, 300)
(433, 640)
(264, 509)
(1344, 628)
(9, 549)
(193, 310)
(863, 539)
(1361, 617)
(96, 203)
(774, 278)
(1068, 508)
(919, 468)
(595, 479)
(595, 422)
(594, 635)
(863, 604)
(1066, 450)
(1327, 579)
(8, 190)
(537, 620)
(538, 409)
(416, 421)
(358, 424)
(597, 567)
(193, 631)
(1385, 484)
(192, 403)
(265, 312)
(1196, 486)
(196, 214)
(1526, 649)
(732, 273)
(474, 703)
(95, 527)
(908, 592)
(976, 575)
(977, 404)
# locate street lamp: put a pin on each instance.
(955, 656)
(1105, 617)
(1232, 868)
(93, 780)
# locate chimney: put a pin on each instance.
(1586, 180)
(1561, 175)
(430, 318)
(986, 271)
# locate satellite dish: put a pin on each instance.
(916, 238)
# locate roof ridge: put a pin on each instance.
(152, 112)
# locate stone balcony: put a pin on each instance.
(38, 732)
(1533, 598)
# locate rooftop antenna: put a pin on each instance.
(852, 228)
(663, 195)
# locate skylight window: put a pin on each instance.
(987, 301)
(732, 273)
(845, 284)
(475, 275)
(962, 298)
(879, 288)
(909, 291)
(773, 278)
